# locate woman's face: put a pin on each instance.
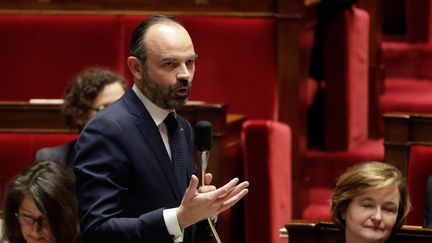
(110, 93)
(371, 215)
(34, 225)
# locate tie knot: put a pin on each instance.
(171, 122)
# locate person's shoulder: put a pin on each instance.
(114, 113)
(55, 153)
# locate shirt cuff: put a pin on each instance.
(171, 222)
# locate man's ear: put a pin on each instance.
(135, 67)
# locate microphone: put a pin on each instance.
(203, 142)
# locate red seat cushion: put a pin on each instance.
(320, 171)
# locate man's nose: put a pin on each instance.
(184, 72)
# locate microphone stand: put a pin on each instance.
(204, 161)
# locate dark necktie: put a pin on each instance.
(177, 142)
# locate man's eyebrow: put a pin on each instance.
(170, 59)
(165, 59)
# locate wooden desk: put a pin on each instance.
(310, 231)
(25, 117)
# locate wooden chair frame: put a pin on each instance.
(401, 130)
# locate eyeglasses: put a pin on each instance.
(97, 109)
(29, 220)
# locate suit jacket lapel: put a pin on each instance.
(152, 136)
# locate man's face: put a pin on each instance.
(168, 72)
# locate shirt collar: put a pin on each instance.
(158, 114)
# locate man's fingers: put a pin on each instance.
(233, 191)
(204, 189)
(232, 200)
(220, 192)
(208, 178)
(235, 198)
(192, 188)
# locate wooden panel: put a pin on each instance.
(24, 117)
(28, 118)
(309, 231)
(139, 5)
(401, 130)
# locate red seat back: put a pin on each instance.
(18, 150)
(41, 53)
(267, 166)
(346, 75)
(419, 169)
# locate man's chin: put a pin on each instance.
(177, 102)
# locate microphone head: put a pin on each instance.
(203, 135)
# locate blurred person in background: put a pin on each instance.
(41, 206)
(89, 92)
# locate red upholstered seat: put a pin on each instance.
(236, 62)
(18, 150)
(346, 113)
(41, 53)
(419, 169)
(267, 166)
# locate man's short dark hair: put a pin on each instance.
(137, 41)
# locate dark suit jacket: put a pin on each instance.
(125, 177)
(63, 154)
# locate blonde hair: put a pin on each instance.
(367, 176)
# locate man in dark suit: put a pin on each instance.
(127, 185)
